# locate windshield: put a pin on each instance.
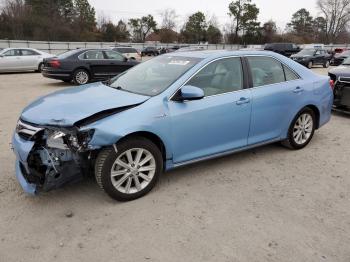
(154, 76)
(307, 52)
(347, 61)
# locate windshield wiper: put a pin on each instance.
(107, 82)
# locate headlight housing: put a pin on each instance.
(78, 141)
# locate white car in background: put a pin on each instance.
(128, 52)
(22, 59)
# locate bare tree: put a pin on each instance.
(169, 17)
(15, 16)
(337, 16)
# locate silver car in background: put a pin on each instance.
(22, 59)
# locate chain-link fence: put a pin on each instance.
(60, 47)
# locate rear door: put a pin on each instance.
(117, 63)
(30, 59)
(275, 89)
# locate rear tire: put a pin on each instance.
(81, 77)
(40, 67)
(119, 173)
(301, 130)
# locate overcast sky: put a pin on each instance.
(278, 10)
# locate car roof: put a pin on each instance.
(219, 53)
(210, 55)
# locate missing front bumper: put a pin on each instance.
(37, 173)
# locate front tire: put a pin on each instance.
(81, 77)
(326, 64)
(131, 171)
(301, 130)
(310, 65)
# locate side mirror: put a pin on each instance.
(190, 93)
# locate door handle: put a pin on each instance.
(242, 101)
(298, 90)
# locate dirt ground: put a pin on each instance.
(266, 204)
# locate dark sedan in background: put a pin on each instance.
(312, 56)
(341, 78)
(85, 65)
(286, 49)
(150, 51)
(339, 58)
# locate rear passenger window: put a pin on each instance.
(92, 55)
(290, 75)
(222, 76)
(27, 52)
(265, 71)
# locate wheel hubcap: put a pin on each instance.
(303, 129)
(133, 170)
(82, 77)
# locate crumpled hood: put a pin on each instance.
(342, 70)
(64, 108)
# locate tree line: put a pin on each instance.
(75, 20)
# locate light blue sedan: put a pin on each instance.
(170, 111)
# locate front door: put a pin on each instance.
(11, 60)
(98, 64)
(217, 123)
(117, 63)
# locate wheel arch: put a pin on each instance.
(82, 67)
(316, 112)
(150, 136)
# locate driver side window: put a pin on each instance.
(219, 77)
(13, 52)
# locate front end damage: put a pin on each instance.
(49, 157)
(341, 94)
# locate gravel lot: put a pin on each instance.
(266, 204)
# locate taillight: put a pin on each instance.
(55, 63)
(332, 84)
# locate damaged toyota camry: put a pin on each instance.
(170, 111)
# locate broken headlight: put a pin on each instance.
(77, 140)
(81, 140)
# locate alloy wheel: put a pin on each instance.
(133, 170)
(82, 77)
(303, 129)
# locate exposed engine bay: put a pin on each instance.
(59, 155)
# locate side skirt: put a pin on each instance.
(170, 165)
